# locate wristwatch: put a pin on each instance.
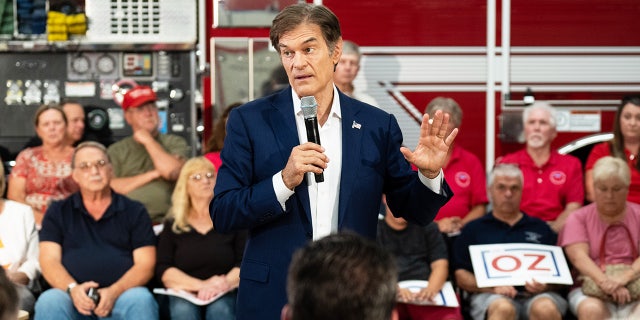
(71, 286)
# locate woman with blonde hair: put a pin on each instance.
(192, 255)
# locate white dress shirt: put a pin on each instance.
(323, 197)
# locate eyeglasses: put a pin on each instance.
(86, 166)
(197, 177)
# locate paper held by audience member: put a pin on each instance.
(189, 296)
(514, 264)
(446, 297)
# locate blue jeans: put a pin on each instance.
(135, 303)
(221, 309)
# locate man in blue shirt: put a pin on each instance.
(96, 239)
(506, 224)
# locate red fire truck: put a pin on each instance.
(581, 56)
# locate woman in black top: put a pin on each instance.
(192, 255)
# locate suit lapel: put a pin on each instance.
(283, 122)
(352, 128)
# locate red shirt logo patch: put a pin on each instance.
(558, 177)
(463, 179)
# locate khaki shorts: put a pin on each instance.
(617, 312)
(480, 302)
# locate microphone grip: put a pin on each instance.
(313, 135)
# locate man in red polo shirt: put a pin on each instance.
(553, 183)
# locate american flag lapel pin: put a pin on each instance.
(356, 125)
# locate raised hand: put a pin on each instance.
(431, 153)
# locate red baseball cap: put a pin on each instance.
(138, 96)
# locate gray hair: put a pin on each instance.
(505, 170)
(349, 47)
(447, 105)
(609, 166)
(539, 105)
(89, 144)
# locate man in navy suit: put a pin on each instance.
(261, 185)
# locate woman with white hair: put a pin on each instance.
(602, 234)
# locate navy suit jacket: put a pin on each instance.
(260, 137)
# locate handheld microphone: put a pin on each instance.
(310, 111)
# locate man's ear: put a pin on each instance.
(285, 314)
(337, 52)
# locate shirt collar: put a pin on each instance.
(553, 159)
(523, 219)
(115, 206)
(336, 111)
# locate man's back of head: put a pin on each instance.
(342, 276)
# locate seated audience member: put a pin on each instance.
(347, 70)
(76, 117)
(147, 164)
(19, 247)
(624, 145)
(75, 125)
(465, 174)
(553, 185)
(9, 299)
(341, 276)
(216, 140)
(96, 239)
(605, 232)
(421, 254)
(192, 255)
(43, 174)
(506, 224)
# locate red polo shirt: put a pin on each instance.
(548, 188)
(466, 177)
